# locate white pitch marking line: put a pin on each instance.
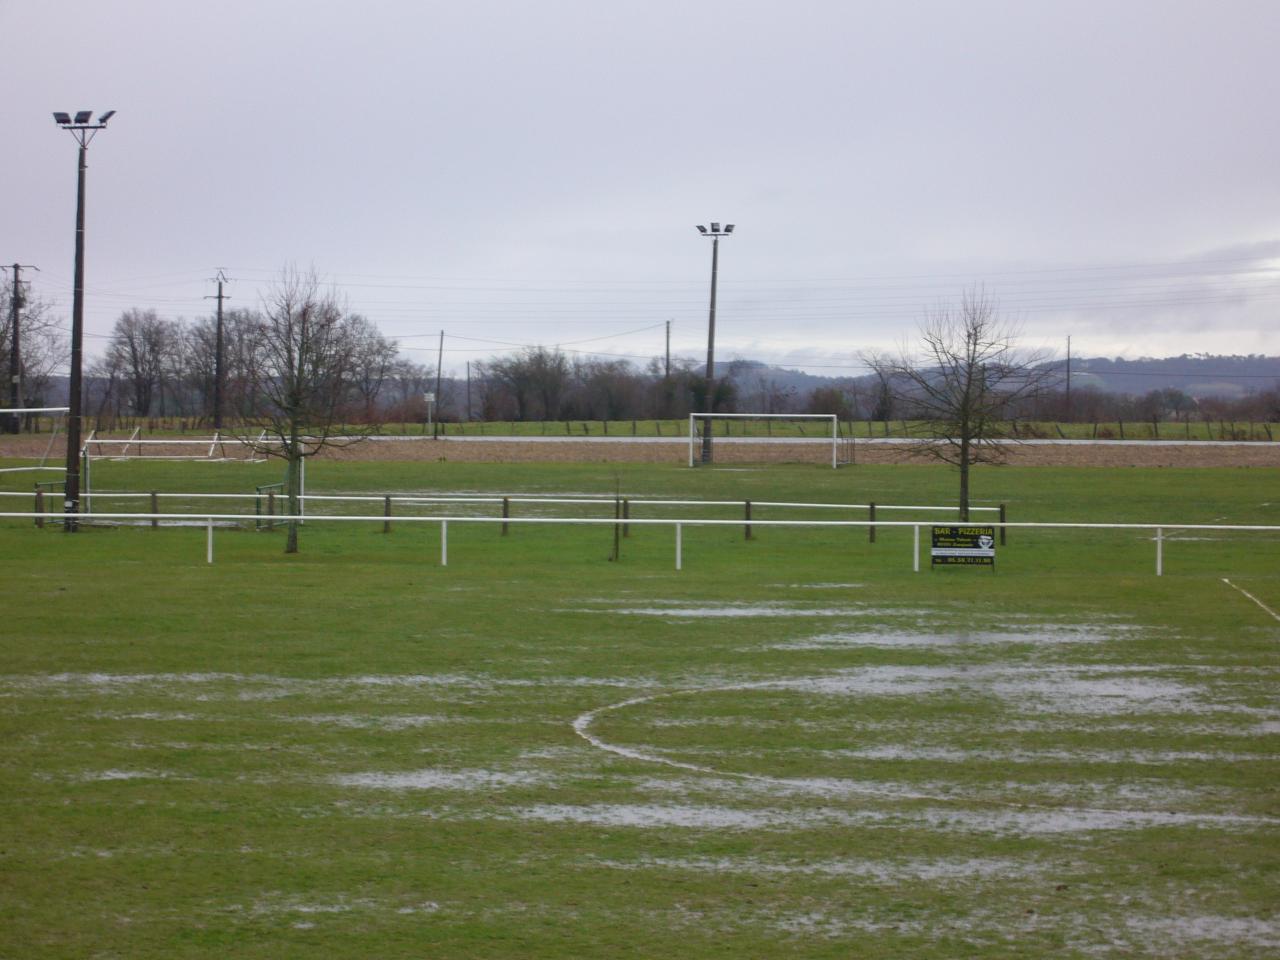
(582, 727)
(1251, 597)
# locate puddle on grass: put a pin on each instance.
(687, 611)
(390, 724)
(102, 776)
(880, 871)
(435, 779)
(1034, 635)
(1121, 757)
(817, 586)
(1177, 933)
(1068, 690)
(1000, 821)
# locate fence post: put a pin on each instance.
(746, 505)
(679, 550)
(209, 545)
(1159, 552)
(444, 543)
(506, 512)
(155, 508)
(626, 515)
(871, 515)
(915, 546)
(1002, 522)
(386, 512)
(40, 508)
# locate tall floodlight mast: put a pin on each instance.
(709, 404)
(83, 128)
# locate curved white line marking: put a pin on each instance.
(582, 727)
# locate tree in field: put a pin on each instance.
(43, 350)
(305, 378)
(142, 347)
(968, 376)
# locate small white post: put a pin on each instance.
(915, 548)
(444, 543)
(1159, 552)
(679, 557)
(690, 447)
(835, 432)
(209, 539)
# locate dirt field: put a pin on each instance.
(1074, 454)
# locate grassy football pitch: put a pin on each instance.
(794, 747)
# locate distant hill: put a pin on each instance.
(1197, 376)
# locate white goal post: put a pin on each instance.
(58, 414)
(829, 418)
(215, 449)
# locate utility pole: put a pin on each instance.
(435, 426)
(1068, 379)
(218, 375)
(83, 129)
(715, 233)
(667, 368)
(16, 303)
(468, 391)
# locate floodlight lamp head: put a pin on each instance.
(701, 229)
(84, 116)
(715, 227)
(60, 117)
(106, 116)
(728, 228)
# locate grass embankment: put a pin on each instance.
(358, 752)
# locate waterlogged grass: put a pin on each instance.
(793, 747)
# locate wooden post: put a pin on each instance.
(617, 528)
(155, 508)
(746, 530)
(1003, 518)
(39, 508)
(871, 515)
(506, 513)
(386, 512)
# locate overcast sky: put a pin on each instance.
(531, 173)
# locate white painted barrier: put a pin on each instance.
(679, 524)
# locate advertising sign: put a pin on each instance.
(963, 546)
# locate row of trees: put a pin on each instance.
(158, 367)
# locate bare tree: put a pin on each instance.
(141, 347)
(969, 375)
(374, 361)
(44, 348)
(305, 377)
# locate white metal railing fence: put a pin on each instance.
(678, 524)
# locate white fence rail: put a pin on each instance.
(209, 519)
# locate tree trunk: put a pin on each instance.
(964, 482)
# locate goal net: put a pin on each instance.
(779, 437)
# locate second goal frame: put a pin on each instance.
(829, 418)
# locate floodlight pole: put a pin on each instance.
(84, 130)
(715, 233)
